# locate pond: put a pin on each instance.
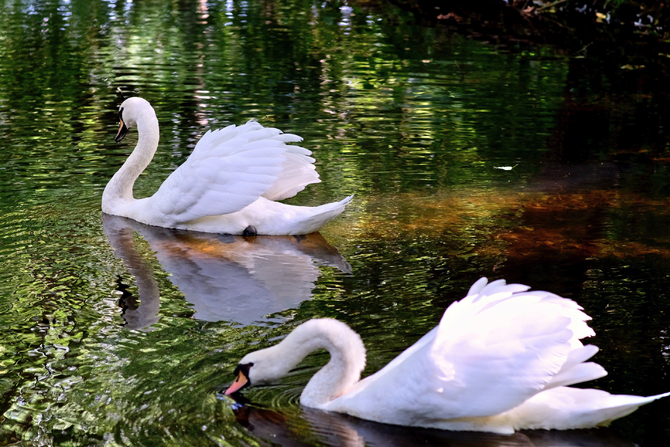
(115, 333)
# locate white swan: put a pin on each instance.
(229, 183)
(500, 360)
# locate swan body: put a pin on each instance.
(500, 360)
(229, 184)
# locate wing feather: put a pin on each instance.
(492, 350)
(232, 167)
(297, 172)
(502, 344)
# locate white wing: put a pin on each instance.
(493, 350)
(231, 168)
(297, 171)
(502, 344)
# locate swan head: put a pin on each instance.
(258, 368)
(347, 356)
(130, 112)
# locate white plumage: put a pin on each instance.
(229, 183)
(500, 360)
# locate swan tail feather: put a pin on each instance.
(625, 405)
(324, 213)
(573, 408)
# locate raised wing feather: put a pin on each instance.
(228, 170)
(502, 344)
(298, 171)
(493, 350)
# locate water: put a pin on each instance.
(113, 333)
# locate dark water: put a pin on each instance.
(113, 333)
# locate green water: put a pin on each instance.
(112, 333)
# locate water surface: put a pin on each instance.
(114, 333)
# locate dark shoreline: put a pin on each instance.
(632, 58)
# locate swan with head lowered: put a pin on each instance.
(500, 360)
(229, 184)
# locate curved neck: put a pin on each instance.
(120, 187)
(343, 370)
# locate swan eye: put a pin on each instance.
(243, 369)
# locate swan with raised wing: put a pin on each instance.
(500, 360)
(230, 183)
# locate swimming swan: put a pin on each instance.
(229, 183)
(500, 360)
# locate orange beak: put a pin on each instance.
(239, 383)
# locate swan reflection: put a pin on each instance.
(229, 278)
(340, 430)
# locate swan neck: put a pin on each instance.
(120, 187)
(343, 370)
